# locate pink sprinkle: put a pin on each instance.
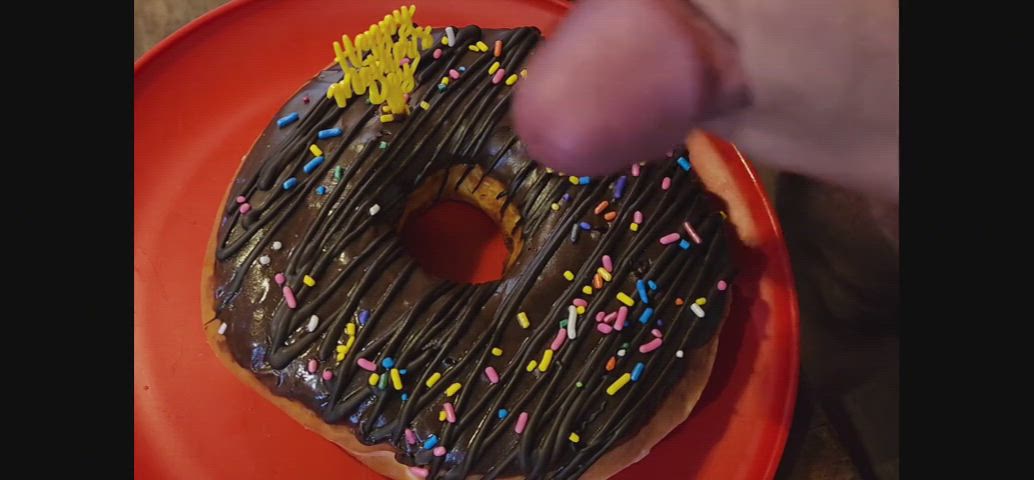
(420, 472)
(610, 317)
(292, 302)
(245, 207)
(650, 346)
(410, 437)
(493, 376)
(404, 61)
(522, 421)
(313, 365)
(600, 316)
(578, 302)
(437, 53)
(670, 238)
(366, 365)
(635, 169)
(327, 375)
(622, 316)
(558, 341)
(722, 285)
(279, 279)
(439, 451)
(656, 333)
(305, 99)
(241, 199)
(637, 217)
(604, 328)
(666, 183)
(608, 264)
(453, 74)
(450, 412)
(692, 233)
(498, 77)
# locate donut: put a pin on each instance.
(596, 342)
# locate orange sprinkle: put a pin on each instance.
(679, 301)
(498, 48)
(613, 362)
(610, 216)
(597, 282)
(601, 207)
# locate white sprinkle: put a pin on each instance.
(374, 209)
(697, 310)
(277, 245)
(313, 322)
(621, 353)
(451, 35)
(679, 354)
(264, 259)
(222, 329)
(572, 317)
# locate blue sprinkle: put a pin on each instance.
(405, 396)
(287, 119)
(645, 317)
(566, 197)
(321, 190)
(584, 180)
(652, 284)
(462, 69)
(388, 362)
(290, 183)
(660, 323)
(312, 165)
(403, 371)
(638, 371)
(619, 187)
(684, 163)
(641, 286)
(363, 317)
(503, 413)
(431, 442)
(329, 133)
(684, 244)
(585, 226)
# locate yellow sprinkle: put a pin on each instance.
(634, 227)
(549, 170)
(309, 281)
(387, 118)
(701, 301)
(481, 46)
(374, 378)
(433, 380)
(574, 437)
(444, 81)
(531, 365)
(618, 384)
(497, 351)
(350, 329)
(547, 356)
(568, 275)
(512, 79)
(604, 273)
(524, 72)
(573, 179)
(587, 290)
(555, 206)
(316, 150)
(424, 105)
(341, 352)
(625, 299)
(579, 310)
(453, 389)
(493, 68)
(472, 48)
(522, 319)
(442, 415)
(445, 40)
(396, 379)
(385, 109)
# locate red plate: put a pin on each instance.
(201, 98)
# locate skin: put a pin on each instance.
(805, 86)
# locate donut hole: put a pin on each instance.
(464, 234)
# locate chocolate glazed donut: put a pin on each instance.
(610, 299)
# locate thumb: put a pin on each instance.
(623, 81)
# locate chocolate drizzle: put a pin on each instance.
(433, 328)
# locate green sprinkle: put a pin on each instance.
(579, 384)
(338, 172)
(384, 145)
(383, 384)
(563, 324)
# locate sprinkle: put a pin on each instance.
(524, 73)
(445, 41)
(364, 315)
(722, 285)
(503, 413)
(472, 48)
(493, 376)
(437, 53)
(290, 183)
(610, 216)
(619, 187)
(241, 199)
(697, 310)
(547, 357)
(558, 341)
(679, 301)
(597, 281)
(313, 365)
(618, 384)
(701, 301)
(309, 281)
(574, 233)
(585, 226)
(315, 149)
(497, 351)
(292, 302)
(462, 69)
(328, 375)
(657, 333)
(321, 190)
(499, 75)
(634, 227)
(433, 380)
(611, 364)
(604, 328)
(650, 346)
(403, 371)
(329, 133)
(572, 317)
(366, 365)
(222, 328)
(512, 79)
(601, 207)
(522, 421)
(652, 284)
(645, 317)
(455, 387)
(584, 180)
(608, 264)
(637, 217)
(640, 286)
(579, 384)
(568, 275)
(450, 412)
(314, 321)
(287, 119)
(587, 290)
(431, 442)
(444, 81)
(692, 233)
(621, 352)
(522, 320)
(611, 317)
(492, 69)
(566, 197)
(388, 118)
(670, 238)
(580, 302)
(279, 278)
(264, 259)
(338, 172)
(635, 169)
(580, 309)
(383, 145)
(374, 209)
(498, 50)
(342, 350)
(481, 46)
(723, 214)
(638, 371)
(555, 206)
(454, 74)
(410, 437)
(388, 362)
(623, 298)
(622, 315)
(574, 437)
(679, 354)
(666, 183)
(573, 180)
(684, 163)
(404, 61)
(305, 99)
(418, 471)
(442, 415)
(531, 365)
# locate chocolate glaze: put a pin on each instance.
(428, 325)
